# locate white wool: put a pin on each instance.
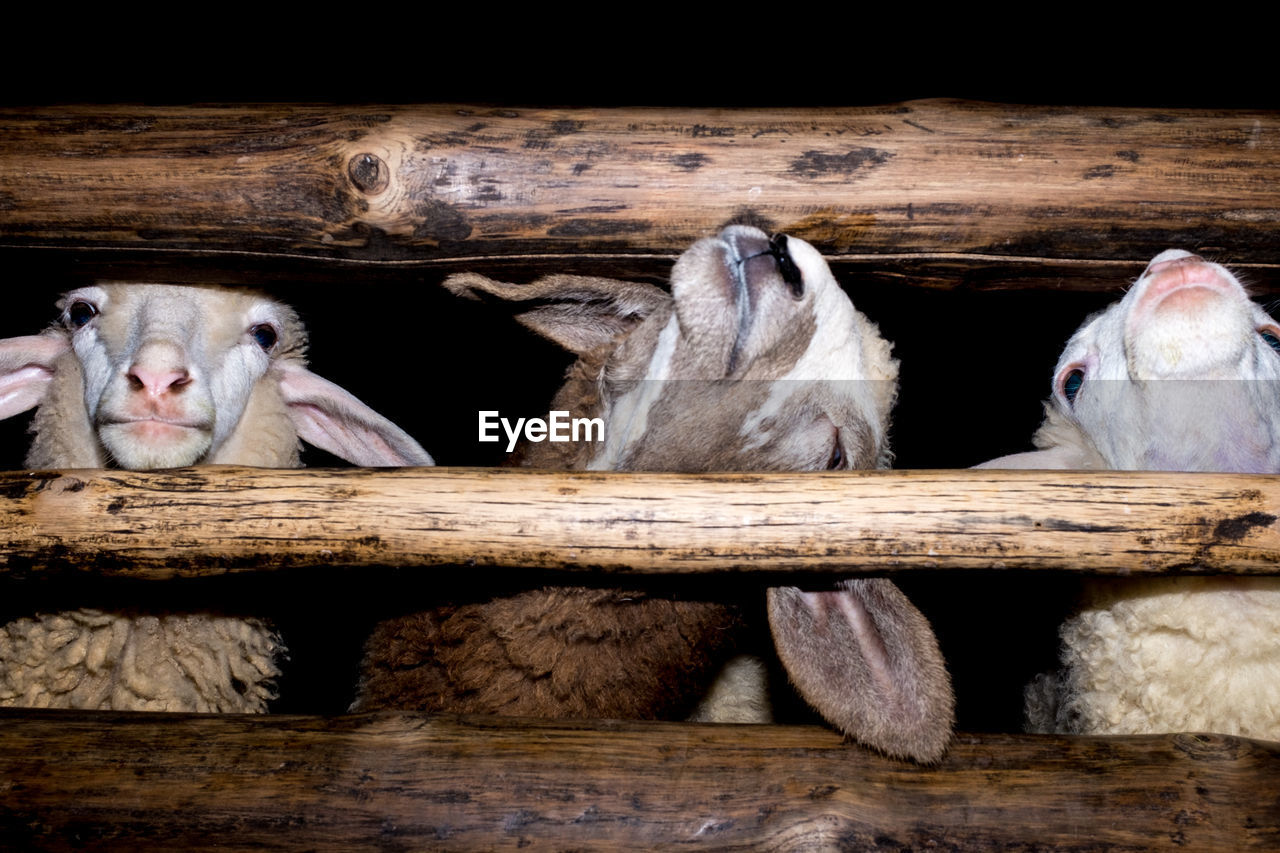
(1168, 654)
(740, 694)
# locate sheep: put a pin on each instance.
(141, 376)
(1178, 375)
(756, 360)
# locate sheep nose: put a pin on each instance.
(1170, 258)
(156, 382)
(751, 243)
(786, 267)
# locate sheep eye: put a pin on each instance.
(265, 335)
(1271, 338)
(837, 458)
(80, 313)
(1071, 385)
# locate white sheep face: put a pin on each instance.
(154, 375)
(168, 371)
(1181, 375)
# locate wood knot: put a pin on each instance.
(1209, 747)
(369, 173)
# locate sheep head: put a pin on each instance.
(756, 361)
(156, 376)
(1177, 375)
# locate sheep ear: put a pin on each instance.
(866, 659)
(26, 368)
(334, 420)
(1060, 457)
(580, 313)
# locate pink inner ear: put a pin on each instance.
(318, 427)
(842, 609)
(867, 660)
(26, 368)
(331, 418)
(23, 389)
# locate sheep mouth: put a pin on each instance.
(155, 429)
(174, 422)
(1185, 285)
(148, 443)
(753, 257)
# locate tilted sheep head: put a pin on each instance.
(1179, 375)
(756, 361)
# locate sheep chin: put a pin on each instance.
(143, 444)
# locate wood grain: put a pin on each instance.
(209, 520)
(391, 781)
(938, 192)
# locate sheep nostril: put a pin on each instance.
(786, 267)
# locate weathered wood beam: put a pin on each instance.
(936, 191)
(397, 781)
(208, 520)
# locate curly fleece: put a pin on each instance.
(95, 660)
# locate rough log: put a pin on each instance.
(208, 520)
(936, 192)
(89, 781)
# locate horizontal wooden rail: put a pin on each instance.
(391, 781)
(934, 190)
(208, 520)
